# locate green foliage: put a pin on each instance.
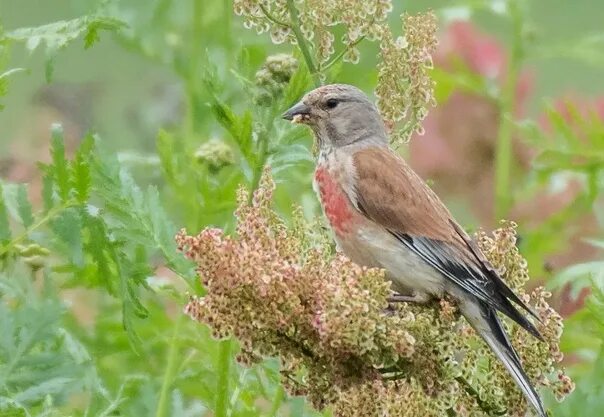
(569, 145)
(58, 35)
(91, 284)
(40, 359)
(4, 80)
(4, 226)
(109, 245)
(587, 327)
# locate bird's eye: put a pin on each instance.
(331, 103)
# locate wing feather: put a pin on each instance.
(389, 193)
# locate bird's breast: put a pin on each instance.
(340, 213)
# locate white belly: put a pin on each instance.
(374, 247)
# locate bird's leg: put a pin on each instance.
(416, 298)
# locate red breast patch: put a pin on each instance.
(335, 202)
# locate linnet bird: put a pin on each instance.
(384, 215)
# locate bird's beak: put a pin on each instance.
(298, 113)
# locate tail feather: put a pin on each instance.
(485, 321)
(519, 318)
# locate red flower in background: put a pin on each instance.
(459, 146)
(481, 53)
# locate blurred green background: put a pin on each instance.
(157, 89)
(126, 83)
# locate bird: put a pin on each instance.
(384, 215)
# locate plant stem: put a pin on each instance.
(489, 409)
(47, 217)
(170, 372)
(302, 44)
(260, 162)
(192, 75)
(222, 384)
(341, 54)
(503, 158)
(272, 18)
(277, 400)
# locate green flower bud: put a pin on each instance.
(273, 77)
(35, 262)
(32, 249)
(215, 153)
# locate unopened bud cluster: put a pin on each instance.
(282, 292)
(274, 75)
(215, 153)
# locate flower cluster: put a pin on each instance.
(502, 252)
(360, 18)
(316, 19)
(282, 292)
(405, 90)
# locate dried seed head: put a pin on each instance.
(317, 20)
(282, 292)
(405, 90)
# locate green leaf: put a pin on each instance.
(59, 165)
(49, 68)
(24, 206)
(12, 411)
(80, 170)
(299, 83)
(4, 81)
(47, 186)
(5, 234)
(40, 361)
(288, 156)
(96, 245)
(587, 49)
(580, 275)
(165, 151)
(67, 227)
(242, 132)
(163, 230)
(44, 388)
(224, 115)
(92, 35)
(58, 35)
(445, 84)
(561, 126)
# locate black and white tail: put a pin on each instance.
(485, 321)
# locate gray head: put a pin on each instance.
(339, 115)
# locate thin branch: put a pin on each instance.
(260, 163)
(503, 155)
(49, 216)
(342, 53)
(394, 377)
(302, 348)
(451, 412)
(483, 404)
(170, 372)
(271, 17)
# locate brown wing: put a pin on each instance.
(391, 194)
